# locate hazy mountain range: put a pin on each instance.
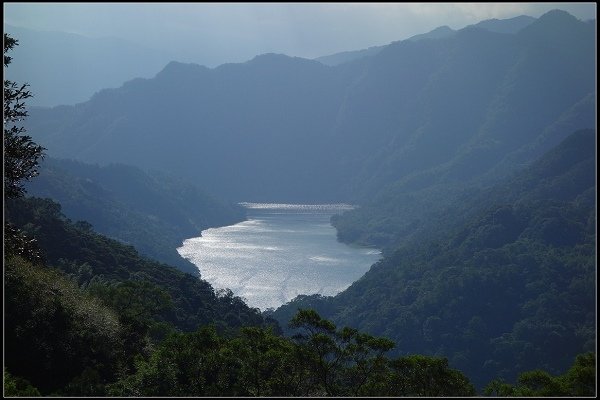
(471, 153)
(66, 68)
(510, 25)
(278, 128)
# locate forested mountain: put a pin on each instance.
(90, 304)
(93, 318)
(499, 282)
(66, 68)
(510, 135)
(510, 25)
(151, 211)
(473, 162)
(278, 128)
(454, 109)
(76, 249)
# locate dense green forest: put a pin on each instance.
(88, 257)
(153, 212)
(501, 282)
(90, 304)
(485, 207)
(75, 333)
(86, 315)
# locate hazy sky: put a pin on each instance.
(215, 33)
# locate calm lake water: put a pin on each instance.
(281, 251)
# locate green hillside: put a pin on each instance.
(90, 305)
(471, 157)
(500, 283)
(153, 212)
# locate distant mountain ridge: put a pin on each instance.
(509, 25)
(278, 128)
(345, 56)
(481, 158)
(438, 33)
(66, 68)
(471, 157)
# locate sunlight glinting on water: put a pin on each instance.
(298, 207)
(275, 256)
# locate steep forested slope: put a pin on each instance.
(500, 283)
(82, 314)
(498, 279)
(93, 318)
(451, 110)
(76, 249)
(526, 103)
(288, 129)
(151, 211)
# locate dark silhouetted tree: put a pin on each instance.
(21, 157)
(21, 154)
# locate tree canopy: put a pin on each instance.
(21, 154)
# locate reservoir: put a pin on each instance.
(281, 251)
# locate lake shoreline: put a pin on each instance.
(279, 251)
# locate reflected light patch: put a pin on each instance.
(275, 256)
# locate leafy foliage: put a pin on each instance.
(501, 283)
(502, 280)
(73, 334)
(578, 381)
(54, 330)
(90, 258)
(21, 154)
(16, 386)
(20, 244)
(321, 361)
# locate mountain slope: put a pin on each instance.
(499, 283)
(519, 115)
(509, 25)
(92, 308)
(346, 56)
(90, 257)
(278, 128)
(151, 211)
(453, 109)
(236, 125)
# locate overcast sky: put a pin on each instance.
(215, 33)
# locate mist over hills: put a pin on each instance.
(510, 25)
(470, 153)
(278, 128)
(66, 68)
